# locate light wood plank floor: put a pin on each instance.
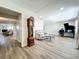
(60, 48)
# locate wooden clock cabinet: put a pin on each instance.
(30, 25)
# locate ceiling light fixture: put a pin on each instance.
(40, 16)
(62, 8)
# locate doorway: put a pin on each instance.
(9, 27)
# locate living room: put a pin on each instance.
(41, 33)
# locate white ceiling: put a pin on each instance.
(46, 7)
(7, 11)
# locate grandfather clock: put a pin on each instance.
(30, 25)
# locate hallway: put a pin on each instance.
(41, 50)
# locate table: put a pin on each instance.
(49, 36)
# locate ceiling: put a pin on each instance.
(5, 10)
(46, 7)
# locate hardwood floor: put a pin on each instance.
(60, 48)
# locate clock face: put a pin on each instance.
(31, 23)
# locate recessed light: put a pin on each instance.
(62, 8)
(40, 16)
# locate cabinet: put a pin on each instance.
(30, 25)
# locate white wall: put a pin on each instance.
(77, 31)
(25, 13)
(39, 24)
(51, 27)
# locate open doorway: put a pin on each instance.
(55, 32)
(9, 27)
